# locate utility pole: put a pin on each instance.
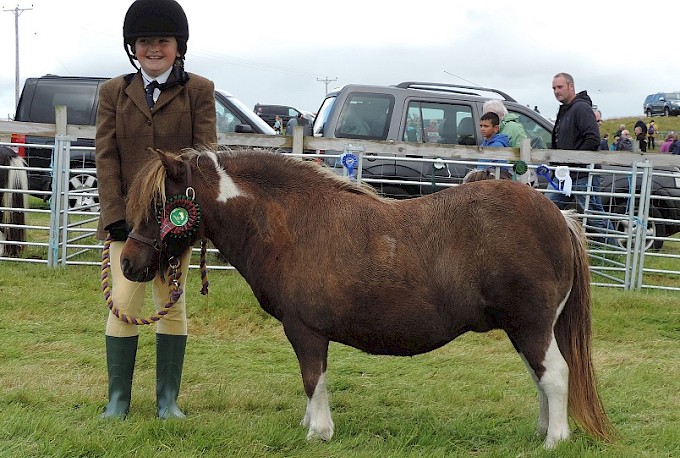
(326, 80)
(17, 12)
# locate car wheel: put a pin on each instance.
(649, 113)
(654, 229)
(84, 183)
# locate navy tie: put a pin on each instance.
(149, 92)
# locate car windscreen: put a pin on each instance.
(79, 100)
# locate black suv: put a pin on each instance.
(80, 95)
(662, 103)
(269, 113)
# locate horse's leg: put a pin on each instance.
(542, 428)
(549, 370)
(312, 353)
(555, 383)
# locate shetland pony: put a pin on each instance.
(12, 179)
(334, 262)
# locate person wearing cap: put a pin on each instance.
(158, 106)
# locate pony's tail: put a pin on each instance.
(17, 179)
(573, 335)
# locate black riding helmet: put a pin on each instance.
(155, 18)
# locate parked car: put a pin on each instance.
(422, 112)
(80, 95)
(662, 103)
(285, 112)
(417, 112)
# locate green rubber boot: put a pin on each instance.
(120, 361)
(169, 362)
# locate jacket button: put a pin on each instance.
(148, 122)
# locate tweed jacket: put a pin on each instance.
(183, 116)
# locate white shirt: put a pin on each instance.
(162, 78)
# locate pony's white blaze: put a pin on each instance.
(228, 188)
(318, 414)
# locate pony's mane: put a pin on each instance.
(148, 188)
(270, 163)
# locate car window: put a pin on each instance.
(226, 119)
(365, 115)
(322, 116)
(430, 122)
(539, 135)
(79, 100)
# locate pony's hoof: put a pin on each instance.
(552, 441)
(325, 434)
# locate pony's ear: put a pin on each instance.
(172, 164)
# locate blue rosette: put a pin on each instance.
(349, 161)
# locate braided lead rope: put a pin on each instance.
(175, 291)
(203, 268)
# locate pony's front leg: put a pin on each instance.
(312, 353)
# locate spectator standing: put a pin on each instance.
(625, 143)
(666, 145)
(509, 122)
(278, 124)
(604, 143)
(292, 122)
(619, 130)
(640, 137)
(641, 124)
(651, 135)
(577, 129)
(489, 126)
(158, 106)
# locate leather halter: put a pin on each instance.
(154, 243)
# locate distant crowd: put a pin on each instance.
(643, 139)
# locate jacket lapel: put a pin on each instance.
(135, 92)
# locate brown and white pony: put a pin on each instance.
(335, 262)
(13, 201)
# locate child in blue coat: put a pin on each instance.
(489, 125)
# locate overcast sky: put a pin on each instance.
(276, 52)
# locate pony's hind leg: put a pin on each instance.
(312, 353)
(318, 413)
(542, 425)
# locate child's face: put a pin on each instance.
(156, 54)
(488, 130)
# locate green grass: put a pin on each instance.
(243, 394)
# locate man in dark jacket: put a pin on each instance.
(576, 129)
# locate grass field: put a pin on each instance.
(243, 394)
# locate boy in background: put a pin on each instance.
(489, 125)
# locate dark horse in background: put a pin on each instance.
(14, 182)
(335, 262)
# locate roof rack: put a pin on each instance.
(455, 88)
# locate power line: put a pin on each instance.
(17, 12)
(326, 80)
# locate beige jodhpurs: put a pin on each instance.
(128, 297)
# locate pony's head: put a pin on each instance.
(164, 214)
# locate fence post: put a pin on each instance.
(525, 155)
(298, 139)
(59, 198)
(641, 221)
